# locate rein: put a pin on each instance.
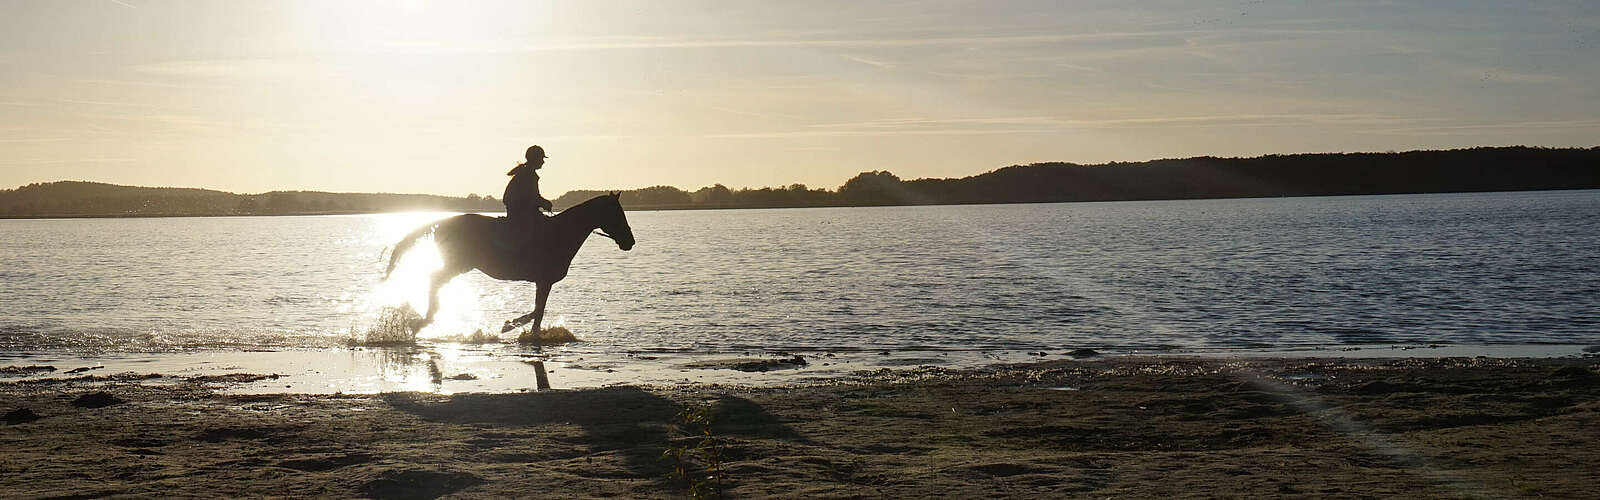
(602, 233)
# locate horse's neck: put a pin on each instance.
(572, 225)
(576, 219)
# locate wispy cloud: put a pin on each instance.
(742, 112)
(845, 133)
(869, 62)
(1248, 120)
(693, 43)
(574, 137)
(1493, 74)
(23, 162)
(105, 103)
(1046, 124)
(219, 68)
(138, 83)
(195, 123)
(987, 76)
(888, 123)
(912, 126)
(1488, 127)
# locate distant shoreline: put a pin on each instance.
(1474, 170)
(675, 208)
(177, 216)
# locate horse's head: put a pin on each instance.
(615, 223)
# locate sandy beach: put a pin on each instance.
(1139, 427)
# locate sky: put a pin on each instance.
(420, 96)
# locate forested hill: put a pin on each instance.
(91, 199)
(1460, 170)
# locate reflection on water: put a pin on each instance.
(424, 368)
(1497, 268)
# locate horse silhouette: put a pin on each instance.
(493, 245)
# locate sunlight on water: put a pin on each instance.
(1493, 268)
(458, 312)
(421, 369)
(402, 370)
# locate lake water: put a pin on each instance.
(1461, 269)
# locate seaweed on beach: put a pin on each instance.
(477, 337)
(25, 370)
(547, 336)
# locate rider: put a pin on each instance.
(522, 198)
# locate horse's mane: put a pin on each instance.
(586, 206)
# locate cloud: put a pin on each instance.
(848, 133)
(914, 122)
(1045, 124)
(138, 83)
(1492, 74)
(1246, 120)
(54, 161)
(913, 126)
(627, 43)
(219, 68)
(869, 62)
(1488, 127)
(105, 103)
(742, 112)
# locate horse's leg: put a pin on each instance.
(435, 282)
(538, 304)
(537, 316)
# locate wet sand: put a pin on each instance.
(1449, 427)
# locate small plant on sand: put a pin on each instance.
(698, 467)
(547, 336)
(392, 328)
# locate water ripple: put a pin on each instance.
(1467, 269)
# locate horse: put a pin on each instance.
(492, 245)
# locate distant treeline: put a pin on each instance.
(1324, 174)
(94, 199)
(1461, 170)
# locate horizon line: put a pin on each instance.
(613, 188)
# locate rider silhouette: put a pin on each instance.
(522, 199)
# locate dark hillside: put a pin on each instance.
(82, 199)
(1321, 174)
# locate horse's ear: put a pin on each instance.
(616, 194)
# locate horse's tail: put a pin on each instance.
(405, 244)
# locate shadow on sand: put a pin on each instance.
(631, 425)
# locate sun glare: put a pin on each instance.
(408, 286)
(382, 25)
